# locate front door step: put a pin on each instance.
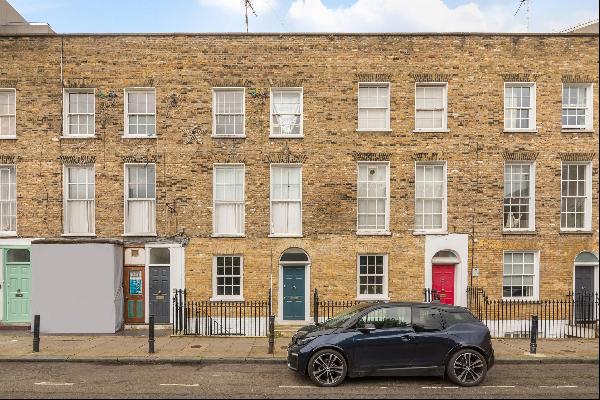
(286, 330)
(15, 327)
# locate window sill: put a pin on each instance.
(228, 136)
(511, 299)
(515, 232)
(286, 136)
(374, 130)
(577, 232)
(227, 298)
(431, 130)
(576, 130)
(274, 235)
(227, 235)
(78, 235)
(438, 232)
(520, 131)
(8, 137)
(372, 298)
(139, 235)
(139, 137)
(77, 137)
(373, 233)
(8, 234)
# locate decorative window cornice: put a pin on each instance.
(9, 159)
(8, 83)
(373, 77)
(77, 159)
(577, 156)
(577, 78)
(231, 83)
(519, 77)
(285, 157)
(520, 155)
(430, 156)
(356, 156)
(141, 158)
(285, 83)
(423, 77)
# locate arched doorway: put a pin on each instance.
(585, 285)
(586, 267)
(443, 275)
(294, 285)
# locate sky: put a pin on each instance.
(108, 16)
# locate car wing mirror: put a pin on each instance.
(368, 328)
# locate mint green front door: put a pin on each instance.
(17, 284)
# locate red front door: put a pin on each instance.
(442, 278)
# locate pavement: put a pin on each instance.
(132, 347)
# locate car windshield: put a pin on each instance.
(344, 316)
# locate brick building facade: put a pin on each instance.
(474, 77)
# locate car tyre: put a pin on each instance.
(467, 367)
(327, 368)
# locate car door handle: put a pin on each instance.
(406, 338)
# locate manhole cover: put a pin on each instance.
(196, 346)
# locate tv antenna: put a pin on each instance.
(248, 4)
(527, 4)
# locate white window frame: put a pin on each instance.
(299, 90)
(243, 202)
(214, 112)
(126, 199)
(12, 233)
(4, 137)
(389, 111)
(289, 165)
(386, 230)
(536, 276)
(126, 91)
(532, 107)
(370, 297)
(66, 200)
(444, 127)
(444, 229)
(589, 108)
(215, 296)
(587, 218)
(66, 112)
(531, 197)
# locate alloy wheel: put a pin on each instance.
(469, 368)
(328, 369)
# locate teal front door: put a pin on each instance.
(294, 293)
(17, 284)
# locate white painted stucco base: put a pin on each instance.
(77, 288)
(459, 244)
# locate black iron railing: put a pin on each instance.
(326, 309)
(219, 318)
(574, 315)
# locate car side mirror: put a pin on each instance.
(368, 328)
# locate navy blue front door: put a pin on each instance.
(293, 293)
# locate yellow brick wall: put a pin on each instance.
(184, 68)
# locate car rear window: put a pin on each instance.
(453, 318)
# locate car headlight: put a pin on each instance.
(305, 340)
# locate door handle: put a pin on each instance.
(406, 338)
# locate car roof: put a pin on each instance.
(446, 307)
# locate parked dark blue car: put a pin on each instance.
(394, 339)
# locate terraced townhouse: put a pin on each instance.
(367, 166)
